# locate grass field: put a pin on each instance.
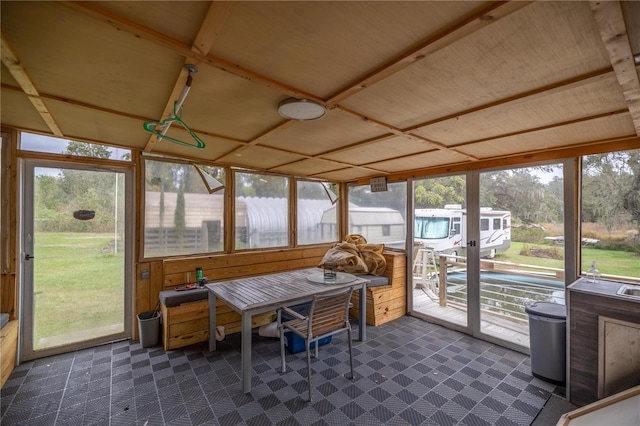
(610, 262)
(79, 284)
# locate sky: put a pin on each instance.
(33, 142)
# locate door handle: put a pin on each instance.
(28, 257)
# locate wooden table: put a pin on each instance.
(256, 295)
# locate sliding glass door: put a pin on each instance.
(484, 245)
(522, 247)
(439, 286)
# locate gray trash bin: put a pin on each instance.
(547, 337)
(149, 328)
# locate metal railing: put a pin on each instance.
(505, 287)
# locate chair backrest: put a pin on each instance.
(329, 312)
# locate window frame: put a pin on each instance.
(143, 200)
(336, 204)
(358, 229)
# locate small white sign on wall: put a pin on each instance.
(378, 184)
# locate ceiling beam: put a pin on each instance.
(211, 25)
(92, 107)
(540, 92)
(476, 22)
(83, 105)
(356, 144)
(542, 128)
(613, 31)
(554, 88)
(237, 151)
(139, 31)
(194, 54)
(199, 55)
(480, 20)
(13, 64)
(344, 165)
(523, 158)
(391, 129)
(456, 149)
(493, 13)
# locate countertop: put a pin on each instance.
(603, 287)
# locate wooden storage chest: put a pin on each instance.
(188, 323)
(8, 348)
(387, 302)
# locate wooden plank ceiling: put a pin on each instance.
(409, 86)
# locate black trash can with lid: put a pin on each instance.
(547, 338)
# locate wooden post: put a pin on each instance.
(442, 281)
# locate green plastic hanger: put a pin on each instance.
(175, 118)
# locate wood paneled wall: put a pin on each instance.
(8, 250)
(155, 276)
(8, 204)
(246, 264)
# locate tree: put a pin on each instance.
(311, 190)
(521, 192)
(84, 149)
(77, 190)
(435, 193)
(632, 197)
(610, 187)
(261, 185)
(48, 205)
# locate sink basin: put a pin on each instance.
(630, 290)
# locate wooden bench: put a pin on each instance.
(387, 302)
(188, 322)
(8, 347)
(185, 324)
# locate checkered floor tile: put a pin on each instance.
(408, 372)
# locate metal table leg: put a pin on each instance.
(212, 321)
(363, 313)
(246, 352)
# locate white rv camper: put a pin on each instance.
(445, 230)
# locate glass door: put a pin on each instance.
(521, 248)
(75, 257)
(439, 279)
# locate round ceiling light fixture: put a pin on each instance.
(301, 109)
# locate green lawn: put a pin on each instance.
(610, 262)
(79, 283)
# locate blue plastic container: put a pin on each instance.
(296, 344)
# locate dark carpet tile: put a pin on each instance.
(407, 372)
